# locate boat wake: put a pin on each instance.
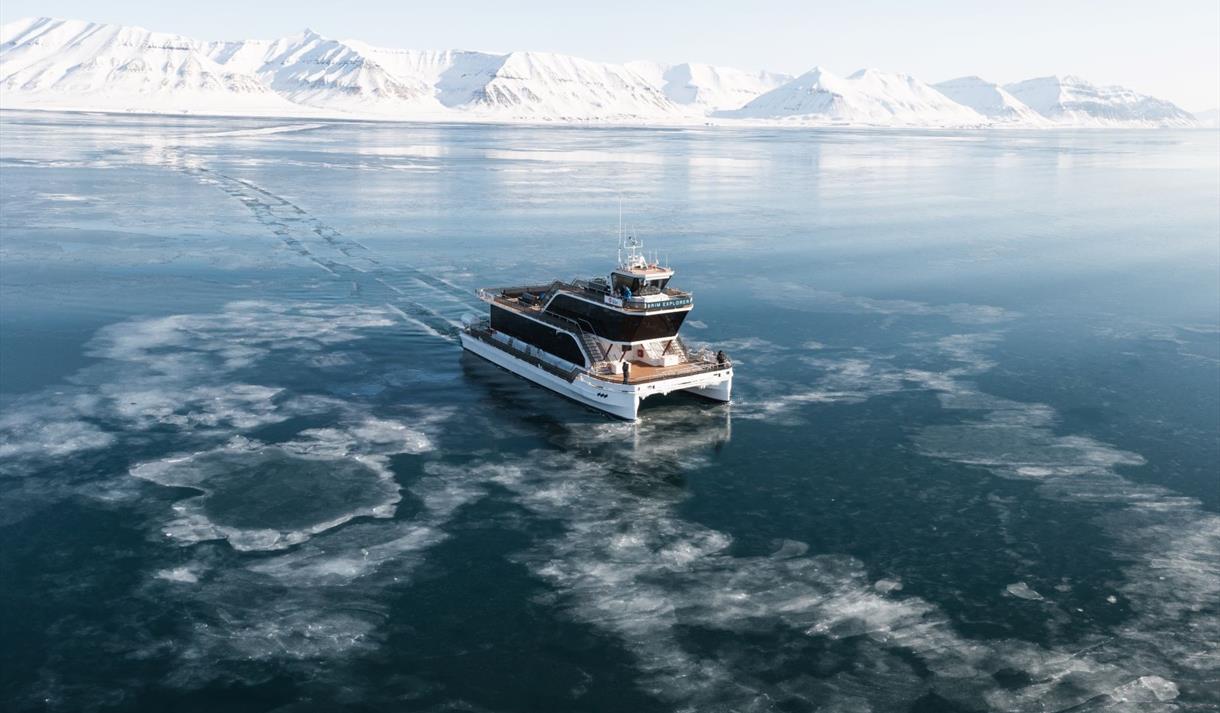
(403, 286)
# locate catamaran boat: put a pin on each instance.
(607, 343)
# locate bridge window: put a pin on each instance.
(621, 282)
(638, 285)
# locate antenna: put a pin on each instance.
(620, 218)
(619, 251)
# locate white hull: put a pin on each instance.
(616, 399)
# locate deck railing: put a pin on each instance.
(701, 363)
(679, 298)
(670, 372)
(483, 333)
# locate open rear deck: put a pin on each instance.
(643, 373)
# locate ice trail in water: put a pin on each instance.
(313, 239)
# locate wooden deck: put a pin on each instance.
(642, 373)
(517, 306)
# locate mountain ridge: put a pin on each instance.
(1074, 101)
(990, 100)
(49, 63)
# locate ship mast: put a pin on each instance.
(628, 242)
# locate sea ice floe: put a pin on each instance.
(234, 406)
(265, 497)
(885, 586)
(362, 549)
(367, 435)
(183, 575)
(29, 430)
(858, 375)
(1147, 688)
(65, 197)
(177, 371)
(285, 633)
(241, 332)
(352, 553)
(852, 378)
(798, 296)
(261, 497)
(1021, 590)
(325, 597)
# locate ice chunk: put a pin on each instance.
(1021, 590)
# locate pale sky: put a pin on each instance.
(1170, 49)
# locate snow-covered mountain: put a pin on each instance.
(1209, 118)
(456, 77)
(312, 70)
(552, 86)
(524, 85)
(1072, 101)
(71, 64)
(706, 88)
(356, 77)
(868, 97)
(991, 100)
(47, 63)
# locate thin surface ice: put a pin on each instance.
(969, 463)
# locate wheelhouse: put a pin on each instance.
(627, 282)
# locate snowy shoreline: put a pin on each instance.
(728, 124)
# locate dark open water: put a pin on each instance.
(971, 464)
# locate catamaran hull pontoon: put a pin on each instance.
(616, 399)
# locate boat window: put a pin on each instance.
(635, 284)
